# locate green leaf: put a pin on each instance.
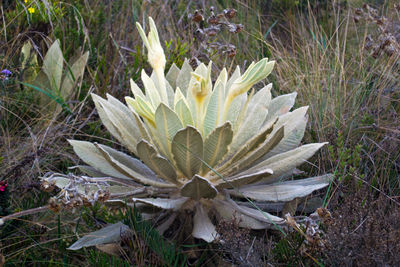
(141, 107)
(198, 187)
(216, 146)
(222, 78)
(214, 108)
(183, 112)
(254, 117)
(53, 65)
(295, 125)
(170, 94)
(109, 234)
(284, 162)
(29, 63)
(184, 77)
(111, 111)
(156, 162)
(257, 214)
(92, 156)
(136, 91)
(252, 144)
(203, 228)
(244, 178)
(187, 149)
(280, 105)
(105, 119)
(235, 108)
(163, 203)
(252, 157)
(230, 212)
(123, 120)
(131, 167)
(283, 191)
(40, 85)
(89, 170)
(234, 77)
(73, 75)
(152, 93)
(168, 124)
(136, 120)
(172, 75)
(254, 73)
(26, 55)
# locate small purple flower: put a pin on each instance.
(4, 74)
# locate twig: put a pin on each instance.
(359, 225)
(23, 213)
(251, 247)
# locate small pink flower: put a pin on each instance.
(3, 186)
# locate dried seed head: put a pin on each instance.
(213, 20)
(380, 21)
(211, 31)
(194, 62)
(390, 50)
(199, 34)
(369, 42)
(325, 215)
(69, 205)
(239, 28)
(86, 202)
(376, 52)
(231, 27)
(220, 16)
(230, 13)
(231, 52)
(197, 16)
(371, 11)
(46, 186)
(292, 222)
(103, 195)
(54, 205)
(358, 11)
(78, 201)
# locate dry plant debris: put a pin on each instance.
(207, 31)
(387, 40)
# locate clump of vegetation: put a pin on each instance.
(201, 145)
(347, 71)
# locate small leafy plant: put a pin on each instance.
(201, 145)
(347, 160)
(55, 80)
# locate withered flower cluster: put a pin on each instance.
(79, 191)
(314, 240)
(387, 40)
(207, 31)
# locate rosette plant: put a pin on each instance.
(197, 145)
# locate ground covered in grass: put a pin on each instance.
(342, 58)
